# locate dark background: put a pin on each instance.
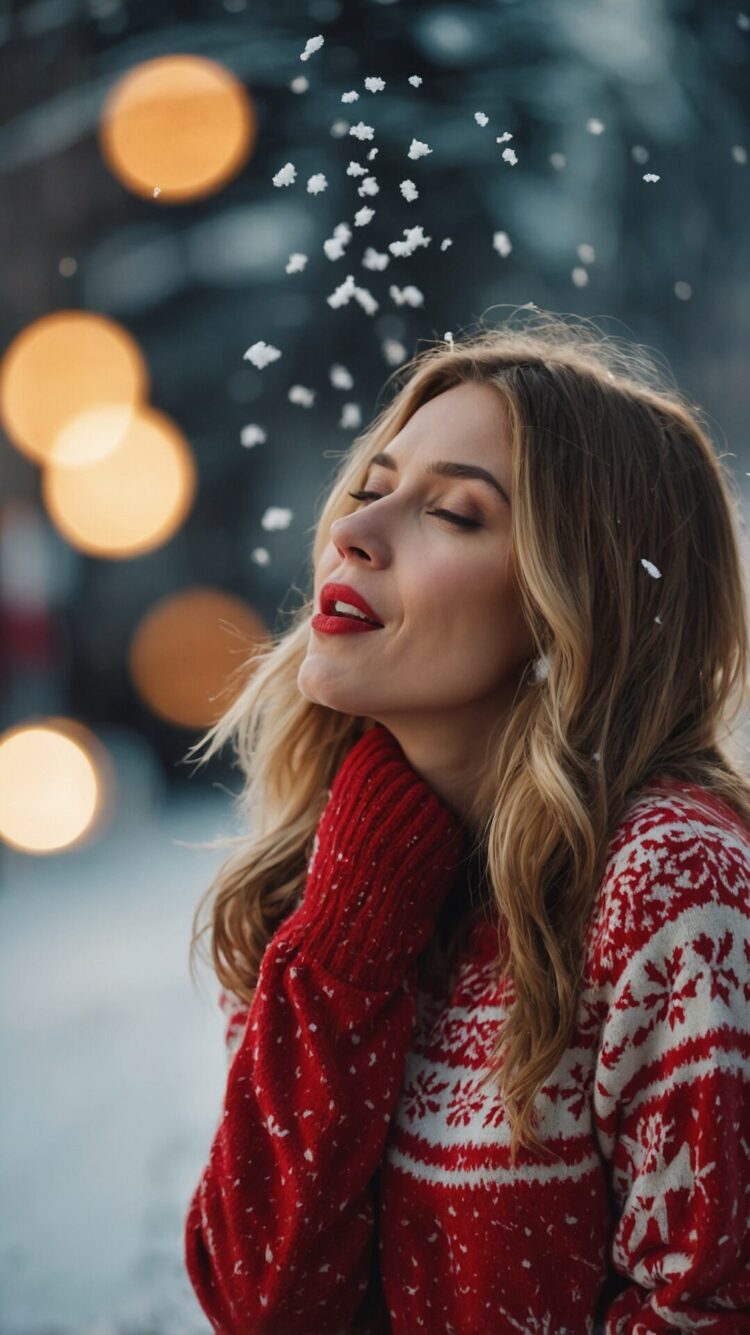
(197, 284)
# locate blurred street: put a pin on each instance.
(115, 1071)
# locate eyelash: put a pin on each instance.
(459, 520)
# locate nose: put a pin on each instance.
(352, 538)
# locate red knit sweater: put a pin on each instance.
(360, 1181)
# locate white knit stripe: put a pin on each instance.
(488, 1176)
(442, 1103)
(703, 1012)
(684, 828)
(729, 1063)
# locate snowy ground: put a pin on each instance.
(114, 1073)
(113, 1066)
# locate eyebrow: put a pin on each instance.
(445, 469)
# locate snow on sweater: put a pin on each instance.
(359, 1181)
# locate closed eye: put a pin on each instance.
(459, 520)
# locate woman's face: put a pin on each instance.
(453, 639)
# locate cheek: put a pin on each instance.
(478, 591)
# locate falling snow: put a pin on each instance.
(313, 44)
(652, 570)
(410, 295)
(351, 416)
(296, 262)
(341, 378)
(286, 176)
(394, 352)
(373, 259)
(334, 245)
(415, 238)
(276, 517)
(261, 354)
(417, 149)
(299, 394)
(252, 435)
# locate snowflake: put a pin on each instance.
(340, 377)
(410, 295)
(351, 416)
(276, 517)
(650, 568)
(252, 435)
(313, 44)
(334, 245)
(415, 237)
(394, 352)
(417, 149)
(373, 259)
(296, 262)
(286, 176)
(260, 354)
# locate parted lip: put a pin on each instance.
(344, 593)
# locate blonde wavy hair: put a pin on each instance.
(614, 474)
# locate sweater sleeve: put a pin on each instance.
(280, 1234)
(672, 1101)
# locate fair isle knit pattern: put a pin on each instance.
(360, 1179)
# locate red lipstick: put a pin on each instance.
(338, 623)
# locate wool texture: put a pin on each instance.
(360, 1182)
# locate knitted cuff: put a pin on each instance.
(388, 852)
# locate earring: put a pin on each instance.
(540, 668)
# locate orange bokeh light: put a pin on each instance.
(187, 651)
(57, 786)
(62, 366)
(133, 499)
(182, 124)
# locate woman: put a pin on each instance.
(484, 948)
